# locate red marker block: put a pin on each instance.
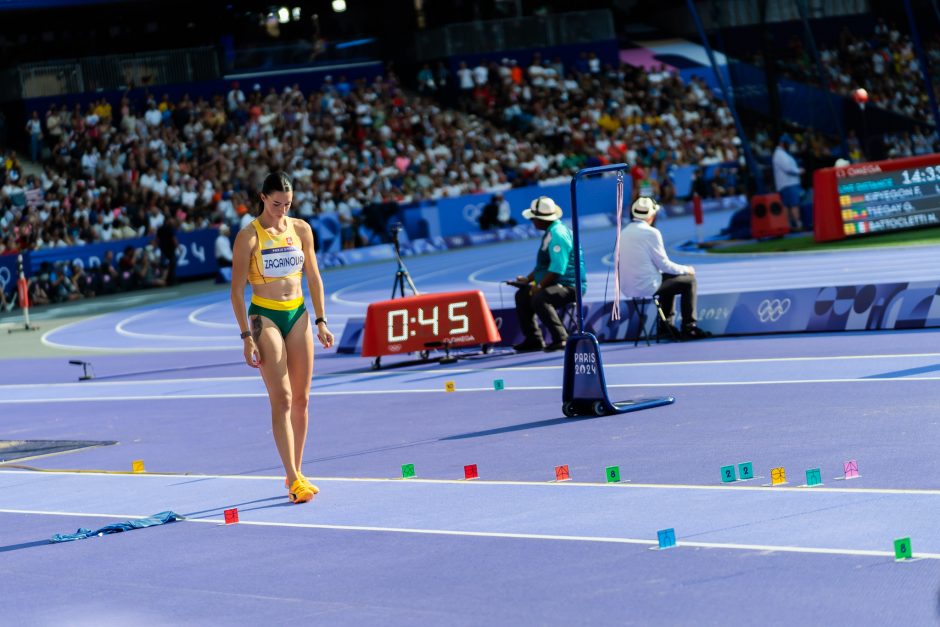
(470, 472)
(561, 473)
(231, 516)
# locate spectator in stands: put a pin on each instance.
(82, 282)
(646, 270)
(223, 248)
(787, 180)
(108, 279)
(167, 244)
(551, 283)
(34, 131)
(496, 214)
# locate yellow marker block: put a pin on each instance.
(137, 465)
(778, 476)
(449, 386)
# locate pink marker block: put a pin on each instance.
(850, 468)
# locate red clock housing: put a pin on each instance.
(417, 323)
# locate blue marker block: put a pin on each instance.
(667, 538)
(746, 470)
(498, 385)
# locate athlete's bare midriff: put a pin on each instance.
(279, 289)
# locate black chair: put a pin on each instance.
(644, 332)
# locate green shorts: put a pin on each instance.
(284, 317)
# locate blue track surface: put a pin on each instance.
(511, 548)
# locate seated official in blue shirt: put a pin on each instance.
(646, 270)
(552, 283)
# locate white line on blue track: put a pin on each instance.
(808, 521)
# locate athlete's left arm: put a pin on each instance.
(314, 281)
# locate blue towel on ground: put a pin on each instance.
(127, 525)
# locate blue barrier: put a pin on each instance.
(195, 255)
(460, 214)
(8, 273)
(811, 309)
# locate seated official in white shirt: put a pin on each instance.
(646, 270)
(223, 248)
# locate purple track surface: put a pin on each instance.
(511, 548)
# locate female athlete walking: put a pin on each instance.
(273, 254)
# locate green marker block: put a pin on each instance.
(813, 477)
(727, 474)
(613, 474)
(902, 549)
(407, 471)
(746, 470)
(498, 385)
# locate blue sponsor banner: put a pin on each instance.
(8, 273)
(843, 308)
(195, 255)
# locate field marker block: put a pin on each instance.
(407, 471)
(470, 472)
(137, 465)
(813, 477)
(231, 516)
(727, 474)
(778, 476)
(746, 470)
(498, 385)
(850, 469)
(449, 386)
(902, 549)
(667, 538)
(613, 474)
(562, 474)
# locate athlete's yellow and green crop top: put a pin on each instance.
(277, 256)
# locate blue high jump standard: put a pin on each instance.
(585, 390)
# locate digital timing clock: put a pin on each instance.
(876, 197)
(419, 323)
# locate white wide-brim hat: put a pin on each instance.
(543, 208)
(643, 207)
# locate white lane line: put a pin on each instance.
(120, 330)
(512, 536)
(443, 373)
(562, 485)
(193, 318)
(515, 388)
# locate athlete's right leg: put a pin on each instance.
(274, 372)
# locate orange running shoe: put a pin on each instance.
(315, 489)
(301, 492)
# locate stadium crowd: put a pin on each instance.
(119, 170)
(882, 61)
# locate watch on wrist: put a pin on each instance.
(319, 320)
(245, 334)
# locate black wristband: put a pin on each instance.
(319, 320)
(245, 334)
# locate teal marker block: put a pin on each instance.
(407, 471)
(667, 538)
(498, 385)
(902, 549)
(613, 474)
(813, 477)
(746, 470)
(727, 474)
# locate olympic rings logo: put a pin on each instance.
(472, 211)
(771, 310)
